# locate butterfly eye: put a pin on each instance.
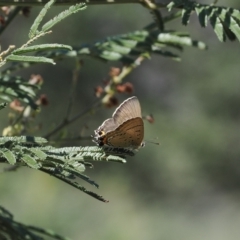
(101, 133)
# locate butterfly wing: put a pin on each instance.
(128, 135)
(108, 125)
(129, 109)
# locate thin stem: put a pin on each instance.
(128, 69)
(158, 19)
(18, 118)
(73, 87)
(10, 48)
(66, 122)
(63, 2)
(166, 19)
(30, 41)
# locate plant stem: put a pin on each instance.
(71, 2)
(66, 122)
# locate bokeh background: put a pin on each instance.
(186, 188)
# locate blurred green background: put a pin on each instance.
(186, 188)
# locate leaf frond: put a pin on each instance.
(12, 87)
(224, 21)
(66, 164)
(11, 229)
(125, 48)
(63, 15)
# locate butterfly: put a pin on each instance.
(125, 129)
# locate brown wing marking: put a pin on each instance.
(128, 135)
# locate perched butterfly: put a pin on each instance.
(125, 129)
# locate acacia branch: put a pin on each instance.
(71, 2)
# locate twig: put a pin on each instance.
(19, 117)
(66, 122)
(166, 19)
(30, 41)
(73, 87)
(156, 13)
(128, 69)
(61, 2)
(10, 48)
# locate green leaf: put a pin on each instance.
(11, 229)
(27, 90)
(39, 18)
(234, 26)
(118, 48)
(170, 6)
(3, 105)
(74, 184)
(39, 153)
(234, 13)
(8, 155)
(63, 15)
(42, 47)
(109, 55)
(66, 164)
(32, 139)
(23, 139)
(217, 26)
(168, 54)
(170, 38)
(186, 13)
(123, 48)
(129, 43)
(5, 98)
(202, 15)
(30, 161)
(29, 59)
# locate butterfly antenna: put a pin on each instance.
(156, 143)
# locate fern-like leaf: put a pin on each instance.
(11, 229)
(224, 21)
(66, 164)
(12, 87)
(126, 48)
(8, 155)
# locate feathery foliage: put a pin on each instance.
(12, 87)
(66, 164)
(126, 47)
(10, 229)
(224, 21)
